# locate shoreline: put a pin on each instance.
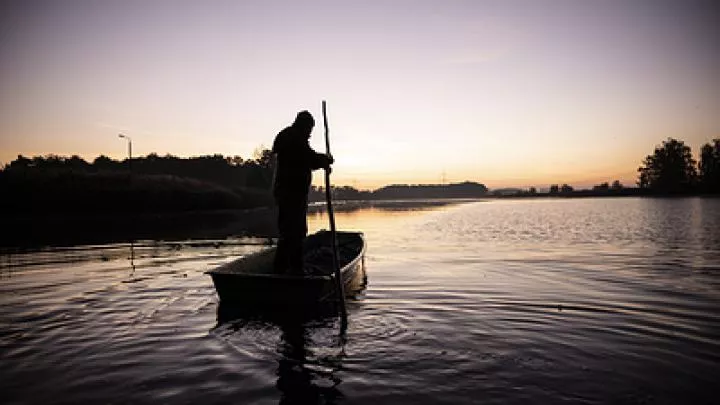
(35, 231)
(29, 232)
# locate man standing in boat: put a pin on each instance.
(293, 174)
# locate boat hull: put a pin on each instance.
(267, 289)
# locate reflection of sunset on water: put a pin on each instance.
(368, 219)
(562, 298)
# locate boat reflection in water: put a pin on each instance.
(300, 371)
(310, 349)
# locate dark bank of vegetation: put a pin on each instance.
(61, 200)
(56, 184)
(55, 200)
(53, 184)
(465, 189)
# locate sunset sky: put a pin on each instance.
(507, 93)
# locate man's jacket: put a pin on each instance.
(295, 162)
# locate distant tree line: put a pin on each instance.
(465, 189)
(227, 171)
(47, 184)
(566, 190)
(670, 169)
(616, 185)
(57, 184)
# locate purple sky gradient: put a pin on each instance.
(502, 92)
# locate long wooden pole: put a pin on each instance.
(328, 196)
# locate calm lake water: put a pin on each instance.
(542, 301)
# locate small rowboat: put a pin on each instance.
(252, 279)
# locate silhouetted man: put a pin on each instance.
(293, 173)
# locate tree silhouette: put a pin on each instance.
(233, 172)
(566, 189)
(260, 169)
(710, 167)
(264, 158)
(670, 169)
(554, 189)
(602, 187)
(465, 189)
(104, 163)
(616, 185)
(19, 164)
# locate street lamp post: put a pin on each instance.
(130, 181)
(129, 150)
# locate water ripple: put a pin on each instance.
(533, 301)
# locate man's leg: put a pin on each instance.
(281, 252)
(281, 260)
(295, 254)
(292, 224)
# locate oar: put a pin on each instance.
(340, 289)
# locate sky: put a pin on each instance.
(506, 93)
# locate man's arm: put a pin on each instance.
(316, 160)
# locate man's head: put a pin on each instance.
(304, 122)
